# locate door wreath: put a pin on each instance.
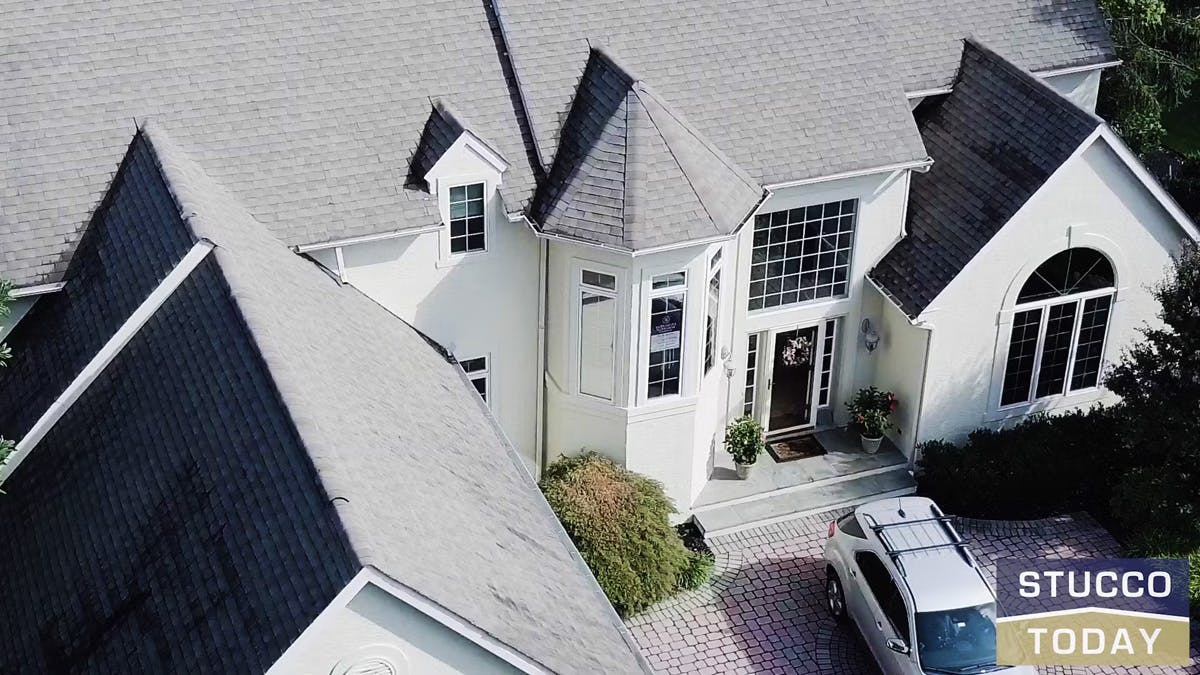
(797, 351)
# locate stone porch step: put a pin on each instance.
(767, 508)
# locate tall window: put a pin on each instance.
(802, 254)
(597, 334)
(751, 374)
(1059, 326)
(827, 362)
(478, 373)
(466, 219)
(668, 294)
(713, 312)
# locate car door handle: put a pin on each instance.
(853, 574)
(879, 625)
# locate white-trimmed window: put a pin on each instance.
(668, 299)
(827, 349)
(468, 229)
(1059, 327)
(751, 374)
(597, 334)
(713, 311)
(802, 254)
(478, 373)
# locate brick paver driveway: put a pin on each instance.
(764, 612)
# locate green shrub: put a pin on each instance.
(744, 440)
(1042, 466)
(697, 571)
(619, 521)
(1159, 544)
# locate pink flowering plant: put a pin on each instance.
(870, 410)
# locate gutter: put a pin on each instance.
(921, 165)
(1053, 72)
(40, 289)
(366, 238)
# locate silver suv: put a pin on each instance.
(899, 569)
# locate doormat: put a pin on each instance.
(792, 449)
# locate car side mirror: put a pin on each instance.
(897, 645)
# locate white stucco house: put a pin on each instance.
(616, 215)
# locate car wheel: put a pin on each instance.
(835, 596)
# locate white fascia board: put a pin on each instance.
(1148, 180)
(1052, 72)
(105, 356)
(366, 238)
(474, 146)
(450, 620)
(40, 289)
(916, 165)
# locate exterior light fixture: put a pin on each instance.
(870, 336)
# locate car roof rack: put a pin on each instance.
(954, 540)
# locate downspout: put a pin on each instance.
(921, 399)
(539, 432)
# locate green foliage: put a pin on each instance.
(697, 571)
(619, 521)
(870, 409)
(1158, 379)
(1159, 545)
(1158, 42)
(1043, 466)
(744, 440)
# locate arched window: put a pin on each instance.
(1059, 326)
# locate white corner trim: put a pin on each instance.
(40, 289)
(1147, 179)
(105, 356)
(450, 620)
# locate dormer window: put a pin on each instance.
(467, 229)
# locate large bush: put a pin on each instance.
(619, 521)
(1043, 466)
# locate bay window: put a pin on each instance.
(597, 334)
(713, 311)
(668, 297)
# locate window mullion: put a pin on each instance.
(1074, 345)
(1044, 321)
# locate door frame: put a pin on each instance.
(766, 373)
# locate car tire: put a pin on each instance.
(835, 595)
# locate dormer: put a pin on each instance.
(464, 173)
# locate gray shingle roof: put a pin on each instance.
(632, 174)
(788, 90)
(996, 140)
(441, 130)
(420, 478)
(309, 113)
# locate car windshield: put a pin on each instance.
(957, 640)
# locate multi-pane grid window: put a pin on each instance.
(478, 373)
(466, 219)
(713, 311)
(827, 362)
(751, 374)
(802, 254)
(1057, 341)
(597, 334)
(667, 301)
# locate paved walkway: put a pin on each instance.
(764, 612)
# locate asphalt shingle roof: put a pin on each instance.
(310, 111)
(632, 174)
(997, 138)
(396, 460)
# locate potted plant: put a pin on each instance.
(744, 442)
(870, 410)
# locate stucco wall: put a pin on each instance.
(481, 304)
(1082, 88)
(900, 362)
(376, 624)
(1092, 201)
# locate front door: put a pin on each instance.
(791, 383)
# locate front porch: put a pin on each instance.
(777, 491)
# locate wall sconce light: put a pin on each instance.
(726, 357)
(870, 336)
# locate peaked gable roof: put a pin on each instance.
(443, 128)
(995, 140)
(631, 173)
(446, 509)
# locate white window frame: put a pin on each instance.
(828, 349)
(485, 374)
(815, 201)
(651, 294)
(711, 342)
(1078, 299)
(614, 293)
(466, 185)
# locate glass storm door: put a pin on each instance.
(794, 359)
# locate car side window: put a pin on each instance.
(886, 593)
(850, 525)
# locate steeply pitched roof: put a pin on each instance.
(441, 130)
(995, 140)
(788, 90)
(632, 174)
(309, 114)
(264, 380)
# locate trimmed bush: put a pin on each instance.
(620, 522)
(1161, 545)
(1043, 466)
